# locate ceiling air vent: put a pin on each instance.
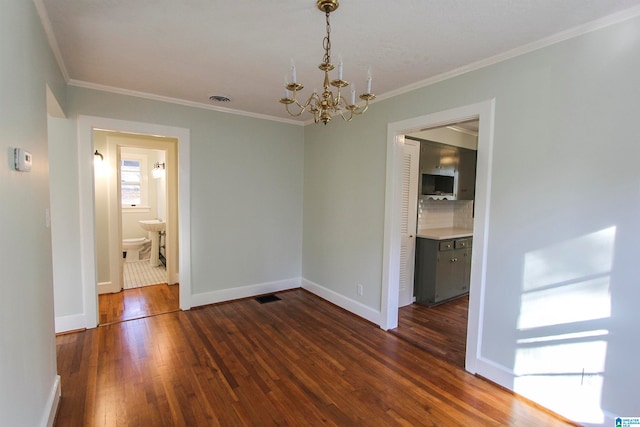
(219, 98)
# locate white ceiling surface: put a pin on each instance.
(191, 49)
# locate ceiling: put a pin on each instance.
(185, 51)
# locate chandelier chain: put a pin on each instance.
(326, 43)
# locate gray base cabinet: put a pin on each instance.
(442, 269)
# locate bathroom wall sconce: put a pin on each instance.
(97, 157)
(158, 170)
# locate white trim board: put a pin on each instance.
(108, 288)
(249, 291)
(177, 101)
(341, 301)
(240, 292)
(70, 323)
(86, 125)
(567, 34)
(51, 38)
(561, 36)
(484, 111)
(51, 407)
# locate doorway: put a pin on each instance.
(86, 126)
(437, 216)
(484, 113)
(136, 219)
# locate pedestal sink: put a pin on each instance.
(154, 227)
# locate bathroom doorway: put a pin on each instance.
(136, 221)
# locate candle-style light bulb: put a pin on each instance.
(293, 72)
(340, 67)
(353, 94)
(369, 80)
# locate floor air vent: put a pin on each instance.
(267, 298)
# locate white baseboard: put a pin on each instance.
(108, 288)
(243, 292)
(70, 323)
(506, 377)
(340, 300)
(495, 372)
(49, 415)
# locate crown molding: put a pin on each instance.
(53, 43)
(168, 99)
(600, 23)
(586, 28)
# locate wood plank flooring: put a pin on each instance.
(440, 330)
(297, 361)
(137, 303)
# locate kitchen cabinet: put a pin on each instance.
(466, 174)
(442, 269)
(446, 160)
(436, 158)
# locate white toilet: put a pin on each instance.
(133, 247)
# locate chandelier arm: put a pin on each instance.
(361, 109)
(325, 104)
(350, 116)
(337, 99)
(341, 111)
(344, 100)
(286, 106)
(302, 107)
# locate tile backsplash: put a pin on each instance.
(444, 213)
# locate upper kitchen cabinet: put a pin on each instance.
(436, 158)
(466, 174)
(439, 160)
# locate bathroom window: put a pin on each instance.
(133, 181)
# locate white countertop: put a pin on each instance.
(444, 233)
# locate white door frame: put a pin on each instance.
(86, 125)
(484, 111)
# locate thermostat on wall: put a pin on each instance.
(22, 159)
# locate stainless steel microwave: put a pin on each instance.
(440, 187)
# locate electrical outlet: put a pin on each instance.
(360, 289)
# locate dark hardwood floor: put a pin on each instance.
(440, 330)
(297, 361)
(137, 303)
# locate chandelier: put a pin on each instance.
(325, 105)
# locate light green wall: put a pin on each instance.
(27, 342)
(565, 165)
(344, 205)
(246, 188)
(65, 216)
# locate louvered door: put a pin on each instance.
(410, 164)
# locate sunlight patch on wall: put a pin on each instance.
(570, 260)
(561, 394)
(574, 302)
(560, 360)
